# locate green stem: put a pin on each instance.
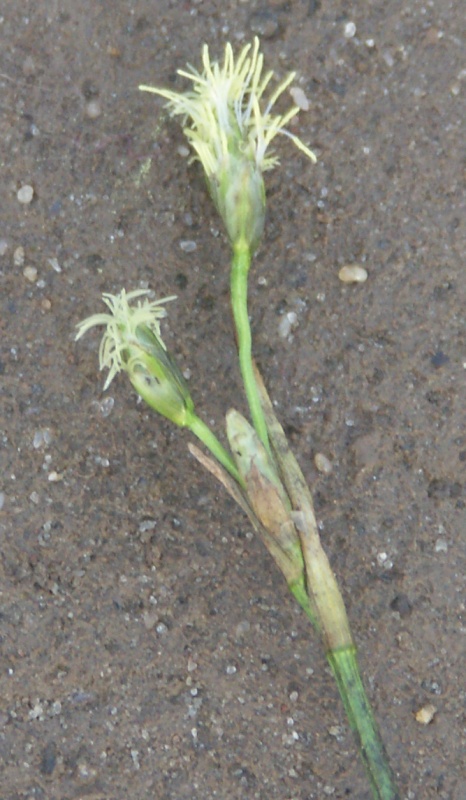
(200, 429)
(239, 301)
(299, 592)
(345, 669)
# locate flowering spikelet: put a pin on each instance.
(121, 327)
(132, 343)
(225, 105)
(231, 127)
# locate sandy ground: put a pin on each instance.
(149, 648)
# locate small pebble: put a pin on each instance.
(147, 525)
(388, 58)
(188, 246)
(3, 246)
(384, 561)
(54, 264)
(42, 437)
(18, 257)
(300, 98)
(25, 194)
(350, 30)
(287, 323)
(353, 274)
(30, 273)
(149, 619)
(323, 464)
(425, 714)
(54, 477)
(441, 546)
(106, 406)
(93, 109)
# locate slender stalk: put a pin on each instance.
(205, 435)
(345, 669)
(325, 596)
(239, 300)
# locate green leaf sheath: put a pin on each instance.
(239, 300)
(205, 435)
(346, 672)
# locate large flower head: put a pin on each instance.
(132, 343)
(231, 126)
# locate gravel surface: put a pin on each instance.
(149, 648)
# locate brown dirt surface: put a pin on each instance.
(148, 646)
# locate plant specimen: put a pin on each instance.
(231, 126)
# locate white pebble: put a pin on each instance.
(42, 437)
(287, 323)
(54, 477)
(188, 246)
(25, 194)
(54, 264)
(300, 98)
(30, 273)
(350, 30)
(388, 58)
(93, 109)
(323, 464)
(18, 257)
(3, 246)
(106, 406)
(353, 274)
(441, 546)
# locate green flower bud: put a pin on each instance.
(240, 201)
(157, 379)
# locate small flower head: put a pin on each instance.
(132, 343)
(231, 127)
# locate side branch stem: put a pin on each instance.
(205, 435)
(239, 300)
